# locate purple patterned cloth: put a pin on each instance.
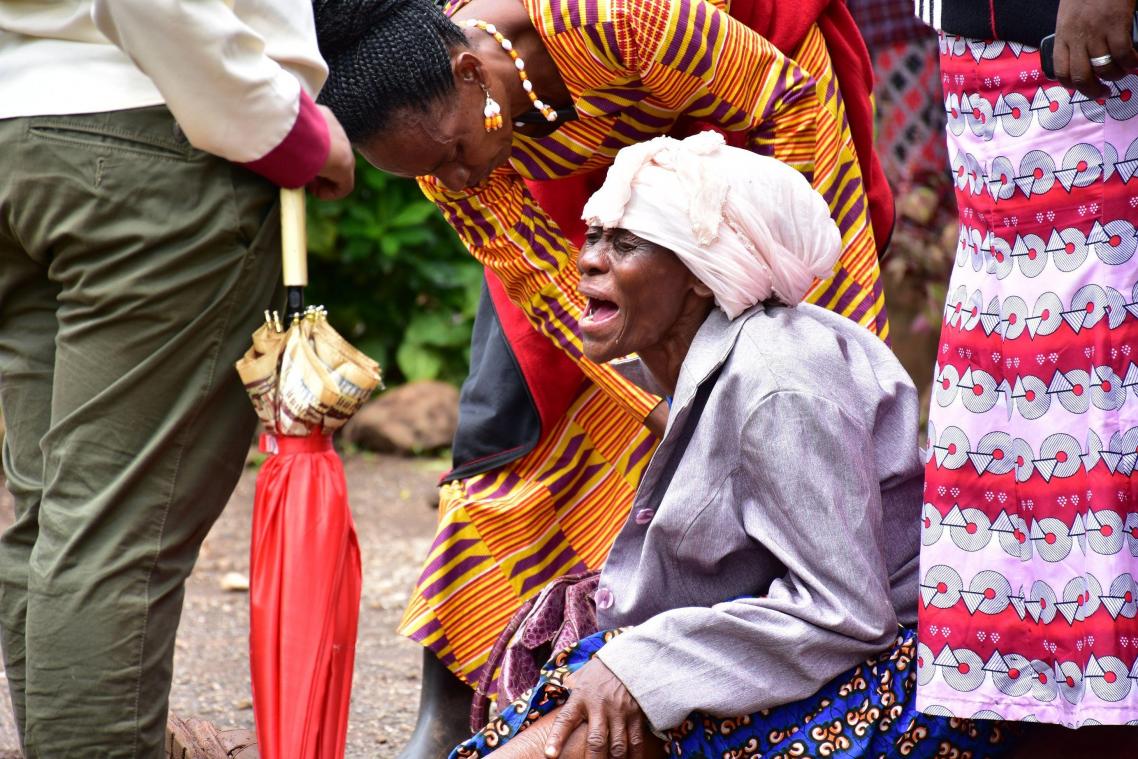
(563, 614)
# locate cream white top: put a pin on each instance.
(231, 71)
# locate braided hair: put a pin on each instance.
(383, 56)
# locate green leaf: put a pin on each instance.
(437, 329)
(395, 278)
(418, 362)
(413, 214)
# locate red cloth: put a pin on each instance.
(301, 154)
(304, 601)
(537, 357)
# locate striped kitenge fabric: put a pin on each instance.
(634, 68)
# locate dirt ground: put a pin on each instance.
(391, 500)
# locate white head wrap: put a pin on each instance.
(747, 226)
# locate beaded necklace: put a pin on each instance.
(547, 111)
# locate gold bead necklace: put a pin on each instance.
(546, 110)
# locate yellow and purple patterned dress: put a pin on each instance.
(634, 68)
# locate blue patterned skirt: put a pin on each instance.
(868, 711)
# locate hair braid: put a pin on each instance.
(383, 56)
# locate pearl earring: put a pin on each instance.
(491, 112)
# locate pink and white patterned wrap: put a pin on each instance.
(1029, 584)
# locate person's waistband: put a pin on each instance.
(1023, 21)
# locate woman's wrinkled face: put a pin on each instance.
(448, 140)
(637, 292)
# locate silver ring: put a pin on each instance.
(1101, 61)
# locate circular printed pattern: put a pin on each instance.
(925, 668)
(1107, 392)
(971, 309)
(1014, 113)
(967, 674)
(1119, 242)
(952, 448)
(1080, 598)
(1089, 305)
(962, 246)
(1104, 532)
(1053, 107)
(1047, 315)
(1109, 159)
(1115, 308)
(978, 249)
(1075, 393)
(954, 115)
(1052, 540)
(990, 590)
(1013, 676)
(978, 115)
(1068, 248)
(997, 445)
(986, 49)
(1002, 259)
(1122, 600)
(1061, 454)
(972, 531)
(1044, 688)
(1093, 110)
(1024, 458)
(1013, 314)
(1036, 172)
(931, 529)
(1071, 684)
(1132, 533)
(1015, 540)
(1032, 398)
(1002, 176)
(980, 395)
(1031, 253)
(1108, 677)
(941, 586)
(946, 384)
(954, 306)
(1082, 166)
(1124, 106)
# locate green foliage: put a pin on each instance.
(395, 279)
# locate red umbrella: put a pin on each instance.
(304, 579)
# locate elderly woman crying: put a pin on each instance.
(760, 599)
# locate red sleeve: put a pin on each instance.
(301, 154)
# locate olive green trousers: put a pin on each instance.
(133, 269)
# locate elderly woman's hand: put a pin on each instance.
(616, 726)
(1090, 29)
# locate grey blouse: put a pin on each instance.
(784, 550)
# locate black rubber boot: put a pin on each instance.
(444, 712)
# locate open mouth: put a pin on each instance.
(599, 311)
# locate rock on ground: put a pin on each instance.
(411, 419)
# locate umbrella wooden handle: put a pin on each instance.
(294, 238)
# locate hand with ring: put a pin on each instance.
(1092, 44)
